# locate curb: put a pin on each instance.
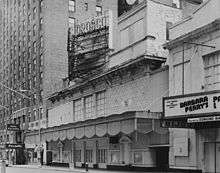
(46, 168)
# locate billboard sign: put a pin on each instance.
(88, 26)
(192, 104)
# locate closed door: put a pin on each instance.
(126, 153)
(217, 157)
(209, 158)
(212, 157)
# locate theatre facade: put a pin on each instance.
(104, 121)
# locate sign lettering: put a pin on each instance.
(194, 104)
(14, 146)
(13, 127)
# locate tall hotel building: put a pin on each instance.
(32, 61)
(33, 56)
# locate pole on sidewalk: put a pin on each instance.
(3, 166)
(87, 167)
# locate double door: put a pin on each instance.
(212, 157)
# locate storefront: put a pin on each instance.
(129, 139)
(201, 112)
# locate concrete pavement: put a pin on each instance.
(48, 169)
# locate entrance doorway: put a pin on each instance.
(162, 157)
(212, 157)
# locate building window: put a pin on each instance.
(102, 156)
(34, 12)
(71, 22)
(34, 30)
(29, 19)
(41, 5)
(28, 4)
(29, 68)
(35, 98)
(78, 110)
(29, 117)
(88, 107)
(41, 42)
(41, 60)
(89, 156)
(29, 35)
(100, 103)
(212, 71)
(72, 5)
(40, 113)
(30, 84)
(41, 23)
(138, 159)
(24, 24)
(98, 10)
(35, 115)
(29, 52)
(34, 81)
(77, 155)
(35, 47)
(86, 6)
(168, 25)
(41, 77)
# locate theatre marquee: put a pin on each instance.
(190, 105)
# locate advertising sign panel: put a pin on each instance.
(13, 127)
(93, 24)
(14, 146)
(192, 104)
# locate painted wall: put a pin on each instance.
(144, 92)
(195, 20)
(55, 26)
(62, 114)
(134, 28)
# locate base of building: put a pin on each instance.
(129, 168)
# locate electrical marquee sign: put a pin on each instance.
(91, 25)
(191, 105)
(88, 44)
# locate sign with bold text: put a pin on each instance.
(13, 127)
(14, 146)
(192, 104)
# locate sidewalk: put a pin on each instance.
(72, 170)
(49, 168)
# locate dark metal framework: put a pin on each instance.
(87, 53)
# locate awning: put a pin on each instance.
(126, 123)
(100, 130)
